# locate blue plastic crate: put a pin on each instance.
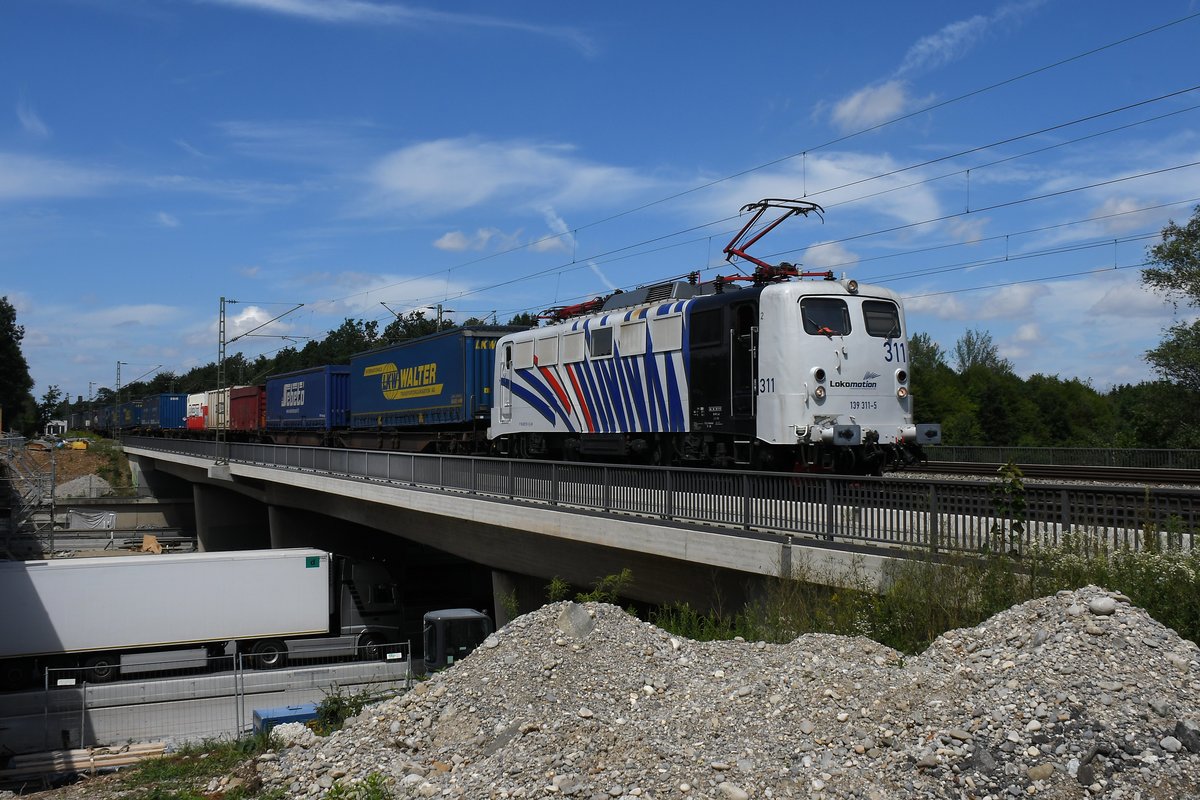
(267, 718)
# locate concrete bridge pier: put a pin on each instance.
(515, 592)
(158, 483)
(227, 520)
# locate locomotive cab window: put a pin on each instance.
(825, 316)
(882, 318)
(601, 343)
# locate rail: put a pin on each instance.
(941, 515)
(1068, 456)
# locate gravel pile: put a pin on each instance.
(1078, 695)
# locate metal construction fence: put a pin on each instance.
(162, 701)
(951, 515)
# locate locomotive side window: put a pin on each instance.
(601, 343)
(825, 316)
(667, 333)
(882, 318)
(523, 354)
(572, 347)
(633, 338)
(707, 328)
(546, 351)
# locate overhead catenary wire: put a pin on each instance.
(803, 153)
(625, 251)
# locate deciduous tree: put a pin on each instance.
(17, 407)
(1176, 274)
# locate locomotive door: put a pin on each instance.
(506, 364)
(743, 360)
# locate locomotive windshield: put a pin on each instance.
(825, 316)
(882, 318)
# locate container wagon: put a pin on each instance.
(305, 406)
(432, 394)
(164, 412)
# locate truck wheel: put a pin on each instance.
(102, 668)
(269, 654)
(370, 647)
(16, 675)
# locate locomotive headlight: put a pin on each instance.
(819, 393)
(852, 286)
(901, 376)
(902, 392)
(819, 375)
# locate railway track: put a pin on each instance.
(1069, 472)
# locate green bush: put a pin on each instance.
(919, 599)
(337, 707)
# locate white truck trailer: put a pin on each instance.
(139, 613)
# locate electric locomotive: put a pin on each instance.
(782, 374)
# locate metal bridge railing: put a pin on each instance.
(943, 515)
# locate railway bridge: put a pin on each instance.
(706, 537)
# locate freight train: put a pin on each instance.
(785, 373)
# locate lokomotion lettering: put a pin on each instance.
(402, 383)
(854, 384)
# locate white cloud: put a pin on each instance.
(881, 102)
(871, 105)
(454, 174)
(560, 239)
(166, 220)
(817, 178)
(1009, 301)
(186, 147)
(1125, 208)
(595, 268)
(969, 230)
(938, 306)
(1027, 333)
(827, 255)
(1128, 300)
(31, 123)
(948, 44)
(457, 241)
(366, 12)
(30, 178)
(125, 316)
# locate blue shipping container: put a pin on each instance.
(129, 414)
(442, 379)
(310, 399)
(166, 411)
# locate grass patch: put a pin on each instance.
(183, 775)
(373, 787)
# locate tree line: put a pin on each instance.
(971, 390)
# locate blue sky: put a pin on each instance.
(1002, 166)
